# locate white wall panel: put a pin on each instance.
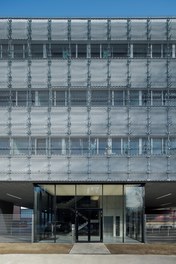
(19, 28)
(139, 29)
(79, 165)
(39, 29)
(98, 121)
(4, 122)
(119, 29)
(118, 121)
(98, 165)
(79, 121)
(138, 73)
(138, 121)
(19, 122)
(19, 165)
(98, 70)
(59, 120)
(79, 29)
(39, 165)
(158, 29)
(78, 73)
(39, 73)
(59, 165)
(4, 165)
(19, 74)
(39, 120)
(158, 120)
(59, 73)
(3, 74)
(59, 29)
(99, 29)
(118, 71)
(173, 73)
(173, 29)
(158, 73)
(3, 28)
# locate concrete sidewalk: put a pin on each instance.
(86, 259)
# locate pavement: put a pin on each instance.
(85, 259)
(86, 253)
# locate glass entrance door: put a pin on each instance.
(89, 225)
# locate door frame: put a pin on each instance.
(100, 211)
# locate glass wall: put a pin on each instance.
(67, 213)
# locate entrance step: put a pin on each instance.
(89, 248)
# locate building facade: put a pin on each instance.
(88, 117)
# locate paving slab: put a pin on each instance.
(89, 248)
(86, 259)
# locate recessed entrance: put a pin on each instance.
(89, 225)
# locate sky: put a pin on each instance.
(87, 8)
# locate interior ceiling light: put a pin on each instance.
(163, 196)
(13, 196)
(165, 204)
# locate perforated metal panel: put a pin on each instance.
(19, 74)
(19, 28)
(98, 71)
(119, 29)
(59, 29)
(3, 28)
(138, 70)
(139, 29)
(59, 73)
(158, 73)
(19, 122)
(3, 74)
(59, 119)
(39, 125)
(158, 29)
(39, 29)
(39, 71)
(118, 71)
(99, 29)
(79, 29)
(173, 28)
(78, 73)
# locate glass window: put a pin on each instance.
(78, 98)
(56, 146)
(167, 50)
(39, 146)
(95, 51)
(37, 50)
(134, 98)
(19, 51)
(4, 98)
(43, 98)
(119, 50)
(134, 146)
(157, 98)
(145, 146)
(172, 146)
(79, 146)
(140, 50)
(19, 98)
(4, 51)
(119, 98)
(156, 51)
(73, 51)
(105, 51)
(125, 146)
(60, 98)
(60, 51)
(82, 50)
(99, 98)
(93, 146)
(20, 146)
(172, 98)
(4, 146)
(156, 146)
(146, 98)
(116, 146)
(103, 147)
